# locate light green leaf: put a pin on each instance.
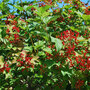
(79, 13)
(28, 48)
(47, 50)
(86, 17)
(58, 43)
(65, 73)
(39, 44)
(45, 14)
(19, 8)
(41, 53)
(81, 39)
(74, 29)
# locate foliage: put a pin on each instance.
(40, 49)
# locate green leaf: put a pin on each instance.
(3, 33)
(89, 40)
(45, 14)
(55, 79)
(19, 8)
(86, 17)
(79, 13)
(1, 61)
(41, 10)
(74, 29)
(81, 39)
(38, 76)
(45, 8)
(28, 48)
(41, 53)
(65, 13)
(1, 5)
(3, 16)
(3, 26)
(46, 19)
(58, 43)
(49, 63)
(17, 87)
(65, 73)
(47, 50)
(67, 6)
(0, 33)
(50, 18)
(39, 44)
(29, 7)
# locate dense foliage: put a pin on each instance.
(44, 47)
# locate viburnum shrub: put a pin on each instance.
(43, 46)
